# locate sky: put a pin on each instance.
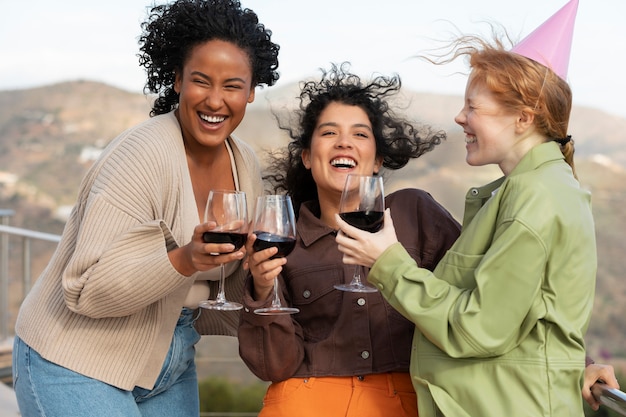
(44, 42)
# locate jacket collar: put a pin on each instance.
(476, 197)
(310, 227)
(537, 156)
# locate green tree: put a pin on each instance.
(251, 397)
(216, 394)
(222, 395)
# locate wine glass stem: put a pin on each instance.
(356, 279)
(276, 300)
(221, 296)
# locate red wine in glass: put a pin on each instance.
(275, 226)
(264, 240)
(228, 210)
(362, 205)
(236, 239)
(370, 221)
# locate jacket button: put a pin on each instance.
(361, 301)
(306, 294)
(365, 354)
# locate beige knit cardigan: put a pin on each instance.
(107, 303)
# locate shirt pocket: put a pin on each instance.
(313, 292)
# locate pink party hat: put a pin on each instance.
(550, 44)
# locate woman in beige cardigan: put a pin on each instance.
(110, 326)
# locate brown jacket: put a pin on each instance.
(340, 333)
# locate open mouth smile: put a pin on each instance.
(212, 119)
(343, 163)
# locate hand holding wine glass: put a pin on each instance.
(275, 226)
(228, 210)
(362, 205)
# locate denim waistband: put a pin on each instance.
(188, 316)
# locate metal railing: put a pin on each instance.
(27, 237)
(609, 397)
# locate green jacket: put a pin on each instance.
(500, 321)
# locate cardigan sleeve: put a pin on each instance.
(120, 263)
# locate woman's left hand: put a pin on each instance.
(363, 248)
(598, 373)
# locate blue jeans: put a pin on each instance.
(44, 389)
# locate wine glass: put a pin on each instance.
(362, 205)
(228, 209)
(275, 226)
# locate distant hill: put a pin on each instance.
(50, 135)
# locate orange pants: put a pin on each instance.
(378, 395)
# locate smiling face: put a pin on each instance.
(492, 135)
(215, 86)
(342, 143)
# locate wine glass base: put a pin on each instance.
(272, 311)
(220, 305)
(355, 288)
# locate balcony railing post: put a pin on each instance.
(26, 268)
(5, 214)
(28, 236)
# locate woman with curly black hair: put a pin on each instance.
(110, 326)
(344, 353)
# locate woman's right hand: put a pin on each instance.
(361, 247)
(262, 268)
(197, 255)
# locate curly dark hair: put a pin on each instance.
(397, 140)
(171, 31)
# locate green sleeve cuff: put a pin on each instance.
(383, 274)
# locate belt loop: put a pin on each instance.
(199, 312)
